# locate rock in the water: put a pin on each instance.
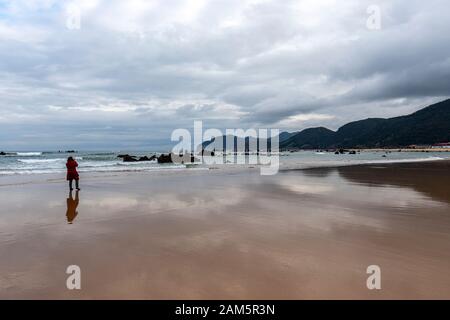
(130, 159)
(208, 153)
(145, 158)
(186, 158)
(165, 158)
(191, 158)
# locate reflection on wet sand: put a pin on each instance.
(428, 178)
(431, 179)
(296, 235)
(72, 205)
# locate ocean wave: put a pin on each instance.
(27, 171)
(137, 163)
(405, 160)
(28, 154)
(30, 161)
(43, 161)
(332, 164)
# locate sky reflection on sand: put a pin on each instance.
(307, 234)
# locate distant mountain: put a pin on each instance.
(309, 139)
(240, 144)
(286, 135)
(424, 127)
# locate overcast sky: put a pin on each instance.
(132, 71)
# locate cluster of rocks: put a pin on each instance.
(128, 158)
(343, 151)
(67, 151)
(7, 153)
(339, 151)
(163, 158)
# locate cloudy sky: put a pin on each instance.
(132, 71)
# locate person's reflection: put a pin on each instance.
(72, 207)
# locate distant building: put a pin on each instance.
(445, 145)
(414, 146)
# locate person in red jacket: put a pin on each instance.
(72, 173)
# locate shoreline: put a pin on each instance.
(43, 165)
(404, 150)
(411, 162)
(30, 178)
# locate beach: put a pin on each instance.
(230, 234)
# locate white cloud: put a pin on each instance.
(141, 68)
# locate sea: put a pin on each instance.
(44, 162)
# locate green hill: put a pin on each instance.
(427, 126)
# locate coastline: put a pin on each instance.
(412, 163)
(57, 177)
(405, 150)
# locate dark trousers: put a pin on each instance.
(76, 184)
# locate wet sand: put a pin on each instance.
(306, 234)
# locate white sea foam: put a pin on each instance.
(404, 160)
(29, 154)
(44, 161)
(351, 162)
(31, 161)
(26, 171)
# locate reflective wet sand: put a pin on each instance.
(214, 235)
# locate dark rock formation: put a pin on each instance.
(128, 158)
(145, 158)
(165, 158)
(206, 153)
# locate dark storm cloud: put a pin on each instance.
(135, 70)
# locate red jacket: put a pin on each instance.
(72, 173)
